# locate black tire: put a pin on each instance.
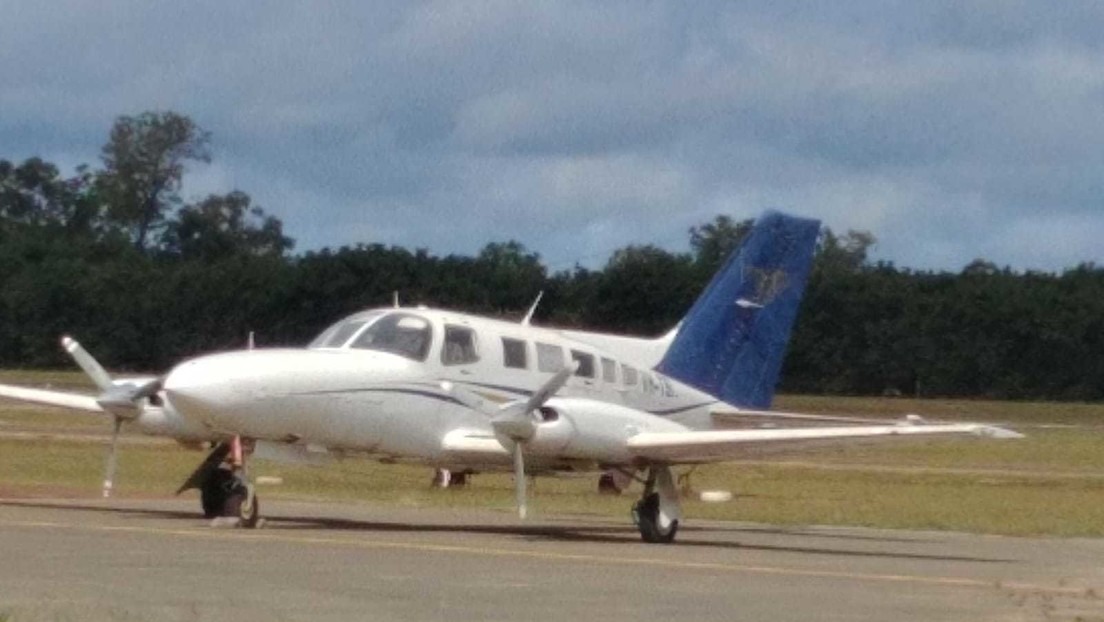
(607, 485)
(213, 494)
(243, 504)
(646, 515)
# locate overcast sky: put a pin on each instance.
(950, 130)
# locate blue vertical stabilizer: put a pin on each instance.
(732, 341)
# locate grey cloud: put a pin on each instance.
(949, 129)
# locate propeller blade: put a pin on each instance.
(90, 366)
(470, 399)
(109, 470)
(519, 479)
(514, 422)
(553, 384)
(514, 411)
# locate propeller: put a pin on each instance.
(515, 422)
(121, 401)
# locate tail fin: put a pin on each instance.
(732, 341)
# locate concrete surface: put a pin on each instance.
(158, 560)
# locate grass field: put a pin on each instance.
(1051, 482)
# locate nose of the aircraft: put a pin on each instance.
(251, 391)
(202, 388)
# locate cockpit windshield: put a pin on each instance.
(337, 335)
(399, 333)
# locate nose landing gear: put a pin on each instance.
(225, 492)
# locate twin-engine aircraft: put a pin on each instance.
(471, 394)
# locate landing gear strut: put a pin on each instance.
(658, 512)
(224, 488)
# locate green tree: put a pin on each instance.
(509, 276)
(34, 193)
(713, 242)
(224, 225)
(643, 290)
(144, 162)
(843, 253)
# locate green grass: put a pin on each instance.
(772, 493)
(1051, 482)
(63, 380)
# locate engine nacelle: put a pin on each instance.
(580, 428)
(164, 421)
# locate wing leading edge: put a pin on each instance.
(74, 401)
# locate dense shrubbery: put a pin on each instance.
(115, 257)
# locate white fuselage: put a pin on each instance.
(378, 382)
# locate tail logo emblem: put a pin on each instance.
(768, 285)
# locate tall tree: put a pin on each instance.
(643, 290)
(511, 276)
(144, 162)
(713, 242)
(222, 226)
(35, 193)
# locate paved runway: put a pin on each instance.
(157, 560)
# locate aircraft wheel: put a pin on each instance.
(646, 517)
(607, 485)
(215, 491)
(243, 503)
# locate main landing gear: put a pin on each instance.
(225, 491)
(658, 512)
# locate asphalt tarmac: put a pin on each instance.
(158, 560)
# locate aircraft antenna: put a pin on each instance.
(532, 309)
(395, 299)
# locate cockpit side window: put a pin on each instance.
(398, 333)
(459, 348)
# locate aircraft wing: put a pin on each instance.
(741, 418)
(74, 401)
(719, 445)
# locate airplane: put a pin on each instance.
(471, 394)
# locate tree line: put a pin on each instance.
(115, 256)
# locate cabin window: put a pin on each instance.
(649, 384)
(609, 370)
(629, 375)
(665, 384)
(586, 364)
(398, 333)
(513, 353)
(459, 348)
(550, 358)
